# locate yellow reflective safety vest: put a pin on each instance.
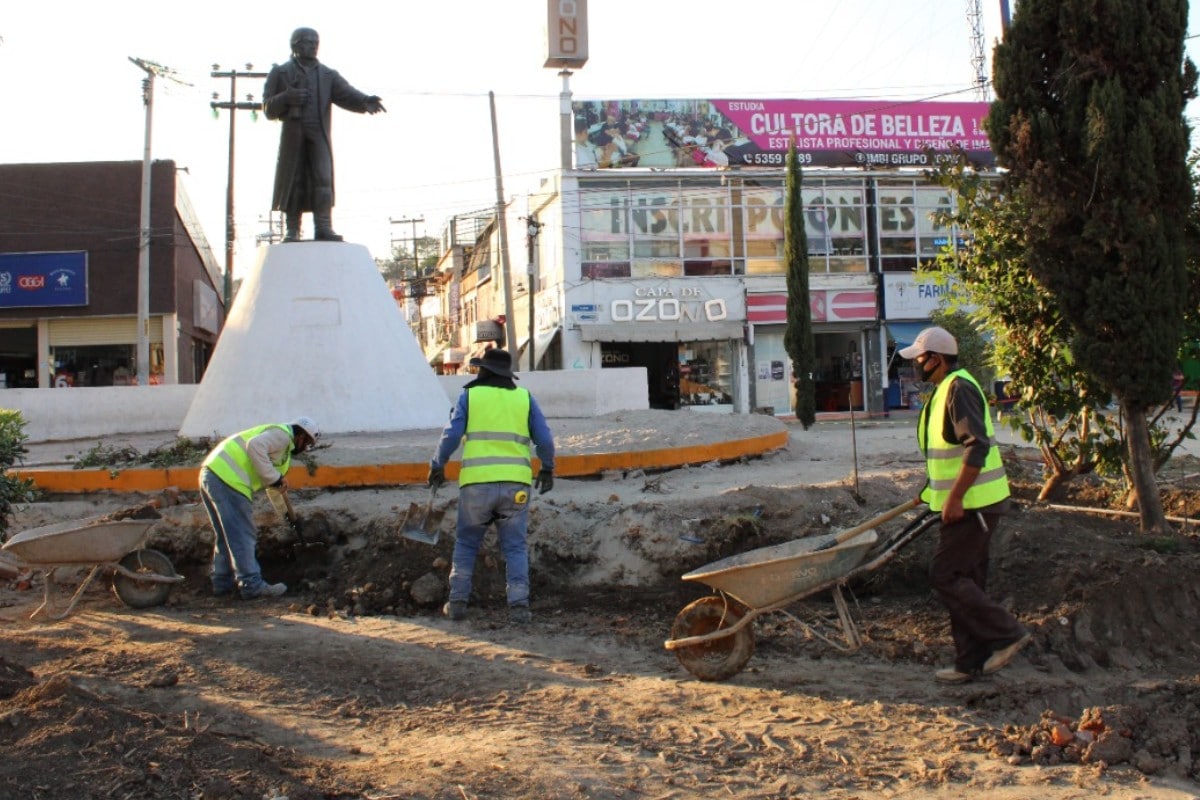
(230, 461)
(943, 459)
(496, 446)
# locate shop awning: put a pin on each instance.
(905, 333)
(447, 355)
(540, 342)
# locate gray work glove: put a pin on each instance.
(544, 481)
(437, 476)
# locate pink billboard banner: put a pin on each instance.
(756, 133)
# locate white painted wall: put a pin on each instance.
(86, 411)
(96, 411)
(574, 392)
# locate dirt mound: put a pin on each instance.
(368, 692)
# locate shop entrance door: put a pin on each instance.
(18, 358)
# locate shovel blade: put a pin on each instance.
(421, 527)
(419, 535)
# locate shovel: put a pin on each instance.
(834, 540)
(283, 505)
(424, 528)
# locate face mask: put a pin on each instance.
(927, 370)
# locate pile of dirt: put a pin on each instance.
(208, 700)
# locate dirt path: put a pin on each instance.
(350, 688)
(230, 702)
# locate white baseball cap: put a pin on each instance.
(931, 340)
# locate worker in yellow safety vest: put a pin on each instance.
(499, 422)
(967, 485)
(239, 466)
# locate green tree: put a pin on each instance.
(13, 490)
(403, 266)
(1059, 407)
(1089, 123)
(798, 338)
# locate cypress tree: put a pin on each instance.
(1089, 123)
(798, 338)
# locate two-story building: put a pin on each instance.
(664, 248)
(70, 251)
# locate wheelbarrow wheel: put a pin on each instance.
(139, 593)
(719, 658)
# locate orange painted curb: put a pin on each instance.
(83, 481)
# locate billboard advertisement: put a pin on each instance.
(35, 280)
(756, 133)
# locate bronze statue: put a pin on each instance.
(301, 93)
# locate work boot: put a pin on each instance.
(520, 615)
(292, 225)
(455, 610)
(268, 590)
(951, 675)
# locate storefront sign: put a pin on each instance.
(756, 133)
(906, 298)
(40, 280)
(566, 34)
(668, 309)
(825, 305)
(489, 330)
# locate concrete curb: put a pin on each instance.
(84, 481)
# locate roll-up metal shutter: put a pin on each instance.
(100, 330)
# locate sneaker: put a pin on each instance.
(999, 659)
(520, 615)
(455, 610)
(951, 675)
(268, 590)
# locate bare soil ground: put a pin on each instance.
(354, 685)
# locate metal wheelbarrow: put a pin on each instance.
(713, 638)
(141, 577)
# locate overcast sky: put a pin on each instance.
(69, 93)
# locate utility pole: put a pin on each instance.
(249, 104)
(143, 281)
(533, 229)
(413, 221)
(510, 332)
(274, 233)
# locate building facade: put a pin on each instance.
(70, 236)
(682, 272)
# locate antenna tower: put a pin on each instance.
(978, 60)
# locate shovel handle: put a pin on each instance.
(846, 535)
(291, 512)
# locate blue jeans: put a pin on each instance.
(480, 505)
(232, 518)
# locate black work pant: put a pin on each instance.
(958, 574)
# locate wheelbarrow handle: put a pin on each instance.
(850, 533)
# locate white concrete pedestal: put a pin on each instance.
(314, 331)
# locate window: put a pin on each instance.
(662, 229)
(910, 231)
